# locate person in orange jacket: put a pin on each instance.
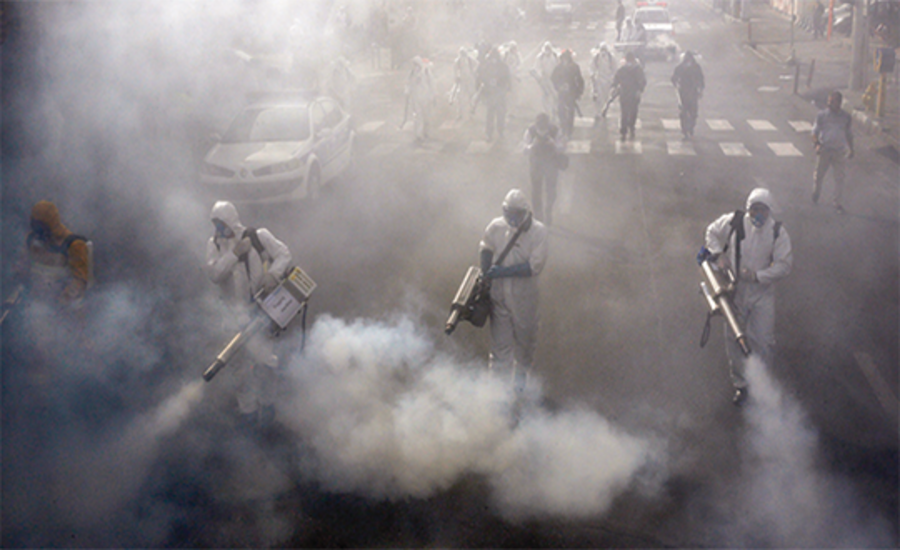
(59, 259)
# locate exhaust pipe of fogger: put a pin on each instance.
(718, 289)
(234, 345)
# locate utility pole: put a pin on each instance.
(860, 46)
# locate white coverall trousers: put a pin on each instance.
(514, 334)
(756, 307)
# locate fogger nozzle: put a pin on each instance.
(718, 288)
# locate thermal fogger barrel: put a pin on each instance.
(718, 287)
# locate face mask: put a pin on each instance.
(758, 220)
(41, 230)
(222, 230)
(514, 216)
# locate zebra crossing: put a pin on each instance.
(662, 135)
(681, 27)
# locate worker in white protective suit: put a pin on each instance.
(544, 65)
(465, 68)
(603, 67)
(758, 250)
(421, 96)
(514, 285)
(242, 262)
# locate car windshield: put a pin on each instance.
(257, 124)
(651, 16)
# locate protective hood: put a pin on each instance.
(761, 195)
(516, 200)
(228, 214)
(47, 213)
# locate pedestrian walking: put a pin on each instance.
(545, 148)
(493, 85)
(603, 66)
(629, 82)
(420, 95)
(514, 285)
(569, 85)
(833, 139)
(242, 262)
(757, 249)
(465, 68)
(620, 18)
(688, 80)
(818, 20)
(544, 65)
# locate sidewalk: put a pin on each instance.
(823, 66)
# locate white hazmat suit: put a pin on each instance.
(241, 271)
(514, 286)
(764, 259)
(421, 95)
(544, 65)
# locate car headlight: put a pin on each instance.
(280, 168)
(213, 170)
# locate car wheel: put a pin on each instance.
(314, 182)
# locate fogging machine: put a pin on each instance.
(472, 301)
(278, 307)
(718, 286)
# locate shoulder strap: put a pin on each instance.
(776, 231)
(69, 240)
(737, 229)
(254, 239)
(521, 229)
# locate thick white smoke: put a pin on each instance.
(388, 417)
(791, 499)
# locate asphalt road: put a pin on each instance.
(812, 463)
(621, 316)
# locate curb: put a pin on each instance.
(873, 125)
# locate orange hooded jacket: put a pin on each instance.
(47, 214)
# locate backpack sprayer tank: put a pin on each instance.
(279, 306)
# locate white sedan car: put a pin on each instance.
(281, 149)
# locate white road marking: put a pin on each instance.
(879, 385)
(732, 149)
(479, 147)
(719, 124)
(610, 25)
(371, 127)
(784, 149)
(628, 147)
(768, 89)
(574, 26)
(593, 25)
(684, 25)
(801, 125)
(584, 122)
(678, 147)
(578, 147)
(703, 26)
(671, 124)
(761, 125)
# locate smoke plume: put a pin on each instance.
(791, 499)
(388, 417)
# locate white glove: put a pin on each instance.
(242, 247)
